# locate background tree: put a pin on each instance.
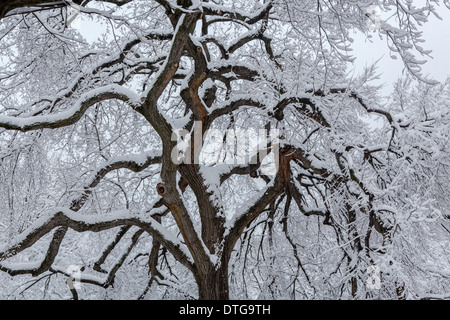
(92, 174)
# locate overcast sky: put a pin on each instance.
(437, 38)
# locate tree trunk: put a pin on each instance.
(214, 284)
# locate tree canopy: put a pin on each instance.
(219, 149)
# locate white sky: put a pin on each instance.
(436, 34)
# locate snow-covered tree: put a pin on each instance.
(219, 149)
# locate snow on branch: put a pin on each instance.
(135, 163)
(210, 8)
(71, 116)
(63, 217)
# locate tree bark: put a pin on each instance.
(214, 284)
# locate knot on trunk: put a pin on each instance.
(161, 189)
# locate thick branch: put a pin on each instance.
(232, 13)
(96, 223)
(71, 116)
(7, 7)
(134, 163)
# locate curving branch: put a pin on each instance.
(136, 164)
(13, 7)
(95, 223)
(231, 14)
(71, 116)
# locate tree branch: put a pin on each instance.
(96, 223)
(71, 116)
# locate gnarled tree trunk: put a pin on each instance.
(214, 284)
